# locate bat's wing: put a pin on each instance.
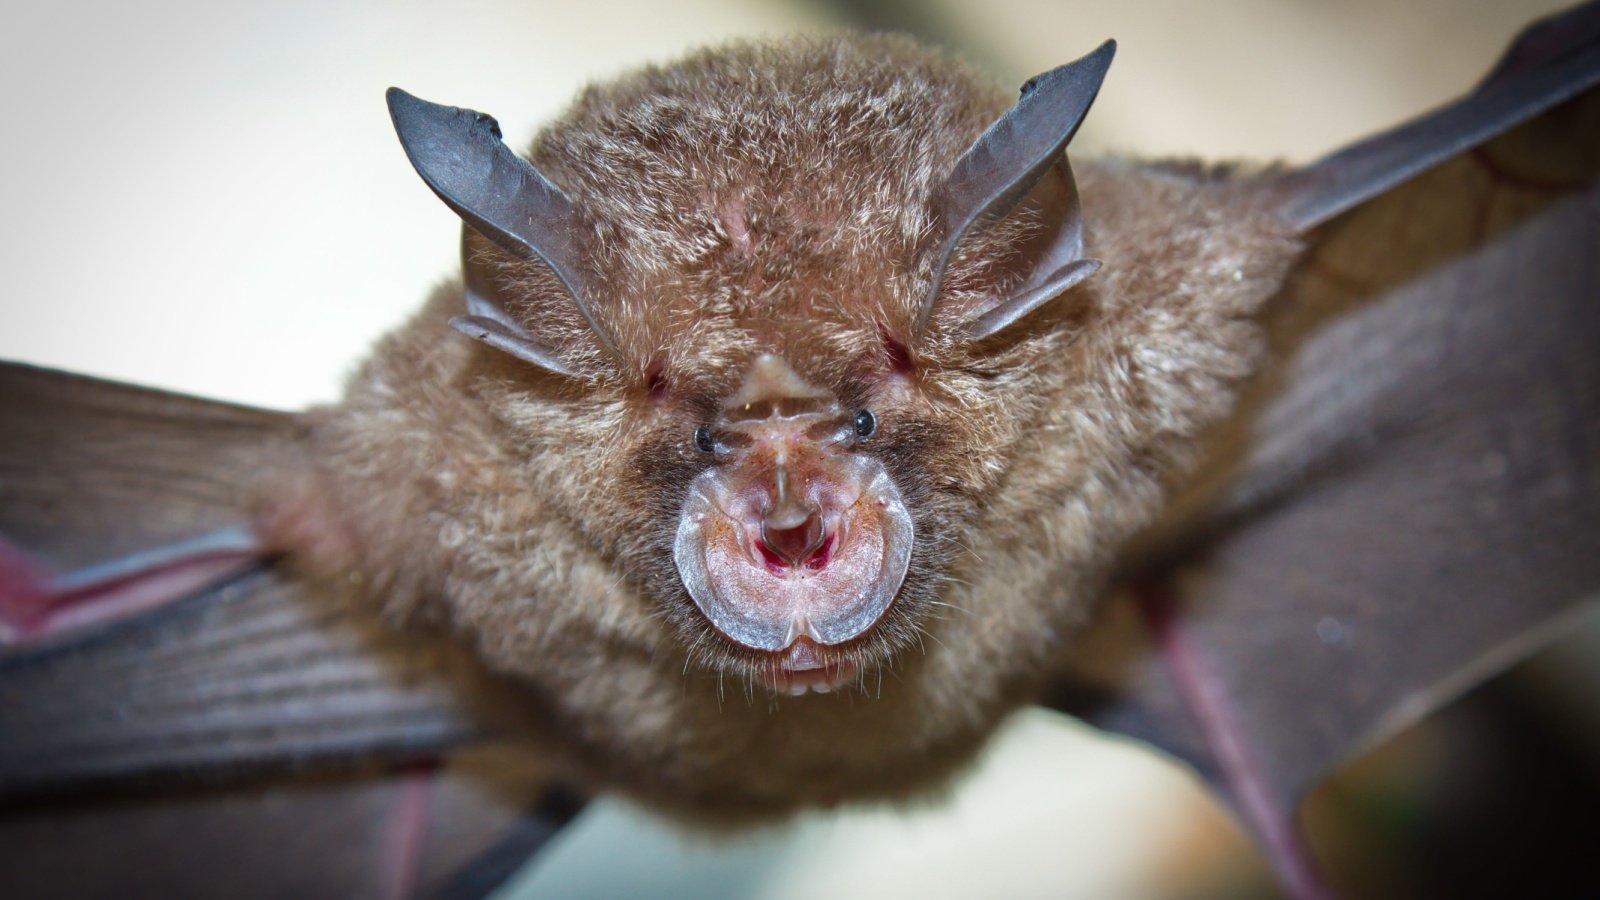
(196, 728)
(255, 669)
(1553, 60)
(1410, 501)
(455, 830)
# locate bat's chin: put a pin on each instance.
(807, 667)
(800, 590)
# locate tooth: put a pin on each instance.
(822, 687)
(796, 690)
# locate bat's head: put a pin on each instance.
(792, 306)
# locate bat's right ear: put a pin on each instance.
(460, 155)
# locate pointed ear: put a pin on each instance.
(1002, 167)
(460, 155)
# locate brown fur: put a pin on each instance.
(773, 197)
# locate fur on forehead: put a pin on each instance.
(760, 197)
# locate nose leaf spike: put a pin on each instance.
(788, 511)
(768, 381)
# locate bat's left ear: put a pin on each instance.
(1008, 163)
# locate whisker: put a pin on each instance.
(959, 543)
(932, 637)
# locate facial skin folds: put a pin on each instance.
(792, 534)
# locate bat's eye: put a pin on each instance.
(866, 424)
(702, 439)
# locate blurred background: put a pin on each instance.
(208, 197)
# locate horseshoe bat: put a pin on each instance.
(814, 413)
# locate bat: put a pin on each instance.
(983, 419)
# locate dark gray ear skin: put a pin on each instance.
(1000, 168)
(460, 155)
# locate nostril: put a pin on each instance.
(793, 545)
(774, 562)
(817, 559)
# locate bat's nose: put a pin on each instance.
(813, 546)
(795, 536)
(793, 533)
(802, 544)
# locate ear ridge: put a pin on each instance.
(460, 155)
(489, 321)
(1002, 166)
(497, 334)
(1028, 299)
